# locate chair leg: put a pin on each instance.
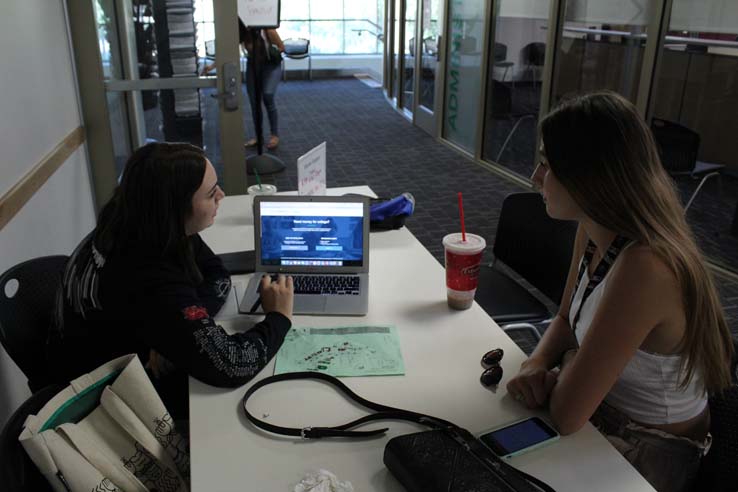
(310, 68)
(284, 71)
(509, 136)
(699, 187)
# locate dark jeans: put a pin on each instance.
(668, 462)
(271, 73)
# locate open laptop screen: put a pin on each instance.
(312, 234)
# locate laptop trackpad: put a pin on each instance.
(308, 304)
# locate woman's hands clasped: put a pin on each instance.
(533, 384)
(278, 295)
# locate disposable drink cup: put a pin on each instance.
(462, 268)
(264, 189)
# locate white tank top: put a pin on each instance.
(647, 390)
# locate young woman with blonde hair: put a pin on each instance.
(640, 339)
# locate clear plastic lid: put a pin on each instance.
(473, 244)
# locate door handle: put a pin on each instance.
(231, 85)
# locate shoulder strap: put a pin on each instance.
(383, 412)
(617, 245)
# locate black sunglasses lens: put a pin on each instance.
(493, 357)
(491, 376)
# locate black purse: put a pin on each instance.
(446, 458)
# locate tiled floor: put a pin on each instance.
(369, 143)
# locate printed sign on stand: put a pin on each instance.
(311, 172)
(259, 13)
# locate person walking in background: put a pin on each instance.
(265, 50)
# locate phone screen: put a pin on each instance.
(518, 436)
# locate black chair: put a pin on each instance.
(17, 472)
(534, 56)
(298, 49)
(536, 247)
(719, 468)
(27, 301)
(501, 108)
(678, 148)
(500, 55)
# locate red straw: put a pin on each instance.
(461, 214)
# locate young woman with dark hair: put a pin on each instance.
(265, 50)
(640, 339)
(145, 282)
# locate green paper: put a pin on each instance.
(343, 351)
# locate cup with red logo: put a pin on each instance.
(463, 258)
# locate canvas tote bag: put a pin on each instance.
(108, 431)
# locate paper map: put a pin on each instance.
(344, 351)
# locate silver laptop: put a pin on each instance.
(322, 242)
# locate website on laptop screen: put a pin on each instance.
(312, 234)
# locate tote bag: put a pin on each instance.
(108, 431)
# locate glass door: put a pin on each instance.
(166, 81)
(407, 102)
(428, 46)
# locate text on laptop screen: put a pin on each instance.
(312, 233)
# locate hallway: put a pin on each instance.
(369, 143)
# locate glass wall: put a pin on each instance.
(431, 33)
(334, 26)
(408, 70)
(515, 60)
(695, 119)
(601, 47)
(463, 72)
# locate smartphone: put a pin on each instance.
(519, 437)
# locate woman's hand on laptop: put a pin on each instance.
(278, 295)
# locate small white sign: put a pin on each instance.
(259, 13)
(311, 172)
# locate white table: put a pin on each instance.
(441, 349)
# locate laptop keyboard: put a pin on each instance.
(326, 284)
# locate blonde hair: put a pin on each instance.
(604, 154)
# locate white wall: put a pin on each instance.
(38, 108)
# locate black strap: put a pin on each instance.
(617, 245)
(383, 412)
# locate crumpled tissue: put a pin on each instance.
(322, 481)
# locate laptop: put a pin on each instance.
(322, 242)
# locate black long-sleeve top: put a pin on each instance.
(137, 301)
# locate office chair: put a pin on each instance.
(534, 56)
(27, 301)
(502, 109)
(678, 147)
(297, 49)
(536, 247)
(17, 472)
(500, 56)
(719, 468)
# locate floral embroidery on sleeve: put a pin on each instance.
(193, 313)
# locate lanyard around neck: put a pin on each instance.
(617, 245)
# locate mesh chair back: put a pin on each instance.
(719, 469)
(296, 47)
(534, 54)
(25, 316)
(17, 472)
(210, 48)
(533, 244)
(500, 52)
(677, 144)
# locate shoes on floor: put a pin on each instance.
(273, 142)
(250, 143)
